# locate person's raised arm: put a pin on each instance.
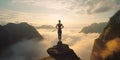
(56, 26)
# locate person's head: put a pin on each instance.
(59, 21)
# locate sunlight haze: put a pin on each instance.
(72, 13)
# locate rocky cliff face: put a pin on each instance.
(107, 46)
(12, 33)
(61, 52)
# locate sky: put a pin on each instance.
(72, 13)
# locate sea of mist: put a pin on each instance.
(34, 49)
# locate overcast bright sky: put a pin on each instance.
(71, 12)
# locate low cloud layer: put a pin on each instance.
(111, 47)
(81, 43)
(33, 49)
(24, 50)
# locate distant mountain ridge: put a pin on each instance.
(45, 27)
(94, 28)
(13, 33)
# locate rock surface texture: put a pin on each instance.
(107, 46)
(62, 52)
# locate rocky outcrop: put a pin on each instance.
(12, 33)
(106, 47)
(62, 52)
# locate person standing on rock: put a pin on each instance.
(59, 26)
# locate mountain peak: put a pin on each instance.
(115, 19)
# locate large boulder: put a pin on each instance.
(106, 47)
(62, 52)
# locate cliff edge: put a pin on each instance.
(107, 45)
(61, 52)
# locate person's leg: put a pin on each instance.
(60, 36)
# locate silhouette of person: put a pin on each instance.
(59, 26)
